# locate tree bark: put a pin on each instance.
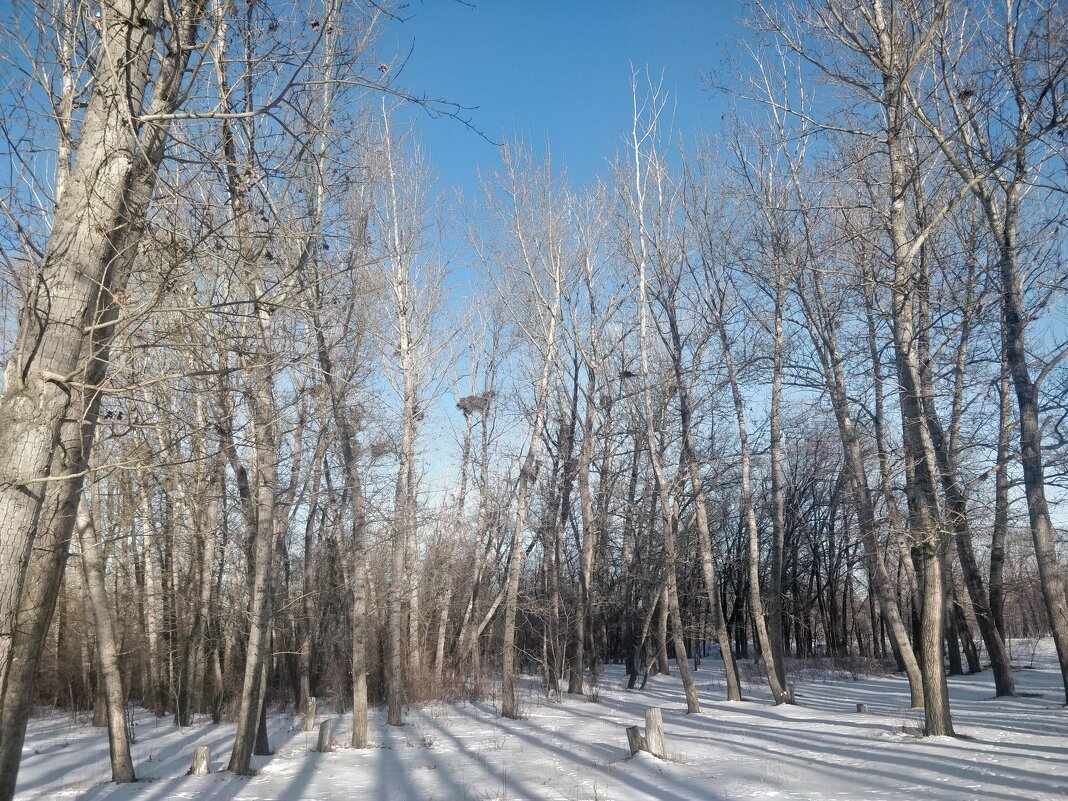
(122, 770)
(825, 340)
(1050, 570)
(44, 576)
(779, 693)
(66, 325)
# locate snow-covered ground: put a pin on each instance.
(823, 748)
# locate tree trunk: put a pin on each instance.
(44, 576)
(394, 648)
(152, 599)
(824, 338)
(67, 323)
(719, 623)
(1001, 495)
(1050, 570)
(250, 703)
(122, 770)
(590, 534)
(778, 503)
(663, 667)
(778, 688)
(693, 705)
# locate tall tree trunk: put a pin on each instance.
(122, 770)
(946, 450)
(778, 504)
(44, 576)
(779, 692)
(250, 704)
(924, 514)
(1001, 495)
(308, 596)
(822, 331)
(1050, 570)
(689, 459)
(398, 579)
(67, 323)
(590, 534)
(152, 600)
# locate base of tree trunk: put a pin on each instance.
(652, 741)
(326, 743)
(201, 761)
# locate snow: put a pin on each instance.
(823, 748)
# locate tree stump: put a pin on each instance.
(654, 732)
(653, 740)
(325, 745)
(309, 714)
(635, 739)
(201, 761)
(862, 707)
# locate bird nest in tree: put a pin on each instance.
(475, 403)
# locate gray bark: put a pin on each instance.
(654, 732)
(40, 591)
(825, 340)
(325, 743)
(201, 761)
(779, 693)
(67, 322)
(122, 770)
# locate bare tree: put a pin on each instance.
(48, 406)
(648, 205)
(995, 136)
(92, 548)
(532, 249)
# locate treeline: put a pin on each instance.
(792, 391)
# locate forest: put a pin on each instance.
(788, 393)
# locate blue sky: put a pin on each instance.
(550, 72)
(556, 71)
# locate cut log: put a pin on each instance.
(654, 732)
(201, 761)
(325, 745)
(862, 707)
(635, 739)
(309, 714)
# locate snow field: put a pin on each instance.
(576, 750)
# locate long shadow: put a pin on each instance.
(216, 786)
(1010, 788)
(613, 755)
(92, 744)
(507, 782)
(1001, 714)
(162, 770)
(1010, 778)
(395, 782)
(92, 747)
(439, 763)
(170, 759)
(842, 745)
(302, 779)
